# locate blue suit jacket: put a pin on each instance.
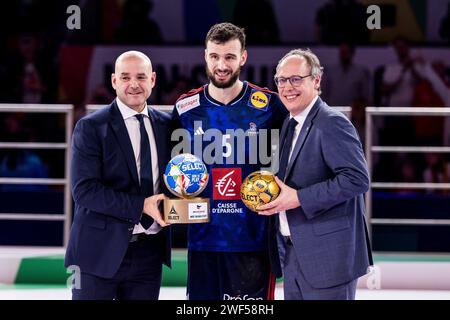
(329, 172)
(105, 188)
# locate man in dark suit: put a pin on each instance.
(118, 240)
(323, 244)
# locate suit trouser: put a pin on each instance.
(138, 278)
(296, 287)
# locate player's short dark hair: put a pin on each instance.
(224, 32)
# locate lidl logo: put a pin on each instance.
(259, 100)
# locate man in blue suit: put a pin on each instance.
(323, 245)
(118, 240)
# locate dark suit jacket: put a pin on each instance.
(329, 172)
(105, 188)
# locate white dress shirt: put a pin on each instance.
(133, 128)
(300, 118)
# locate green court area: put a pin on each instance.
(50, 270)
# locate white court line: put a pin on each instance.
(11, 251)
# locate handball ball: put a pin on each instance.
(186, 175)
(258, 189)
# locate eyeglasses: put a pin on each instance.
(295, 81)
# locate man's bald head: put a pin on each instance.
(132, 55)
(133, 79)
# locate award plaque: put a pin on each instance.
(186, 177)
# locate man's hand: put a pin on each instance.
(286, 200)
(151, 208)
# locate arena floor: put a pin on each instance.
(39, 274)
(178, 293)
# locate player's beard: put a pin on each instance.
(223, 85)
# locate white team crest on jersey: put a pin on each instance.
(225, 185)
(188, 103)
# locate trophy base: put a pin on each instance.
(195, 210)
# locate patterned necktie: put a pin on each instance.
(146, 170)
(286, 148)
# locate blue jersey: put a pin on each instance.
(233, 227)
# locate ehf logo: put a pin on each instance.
(226, 183)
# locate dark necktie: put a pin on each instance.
(286, 148)
(146, 170)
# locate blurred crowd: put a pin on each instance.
(30, 40)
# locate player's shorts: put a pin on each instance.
(229, 276)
